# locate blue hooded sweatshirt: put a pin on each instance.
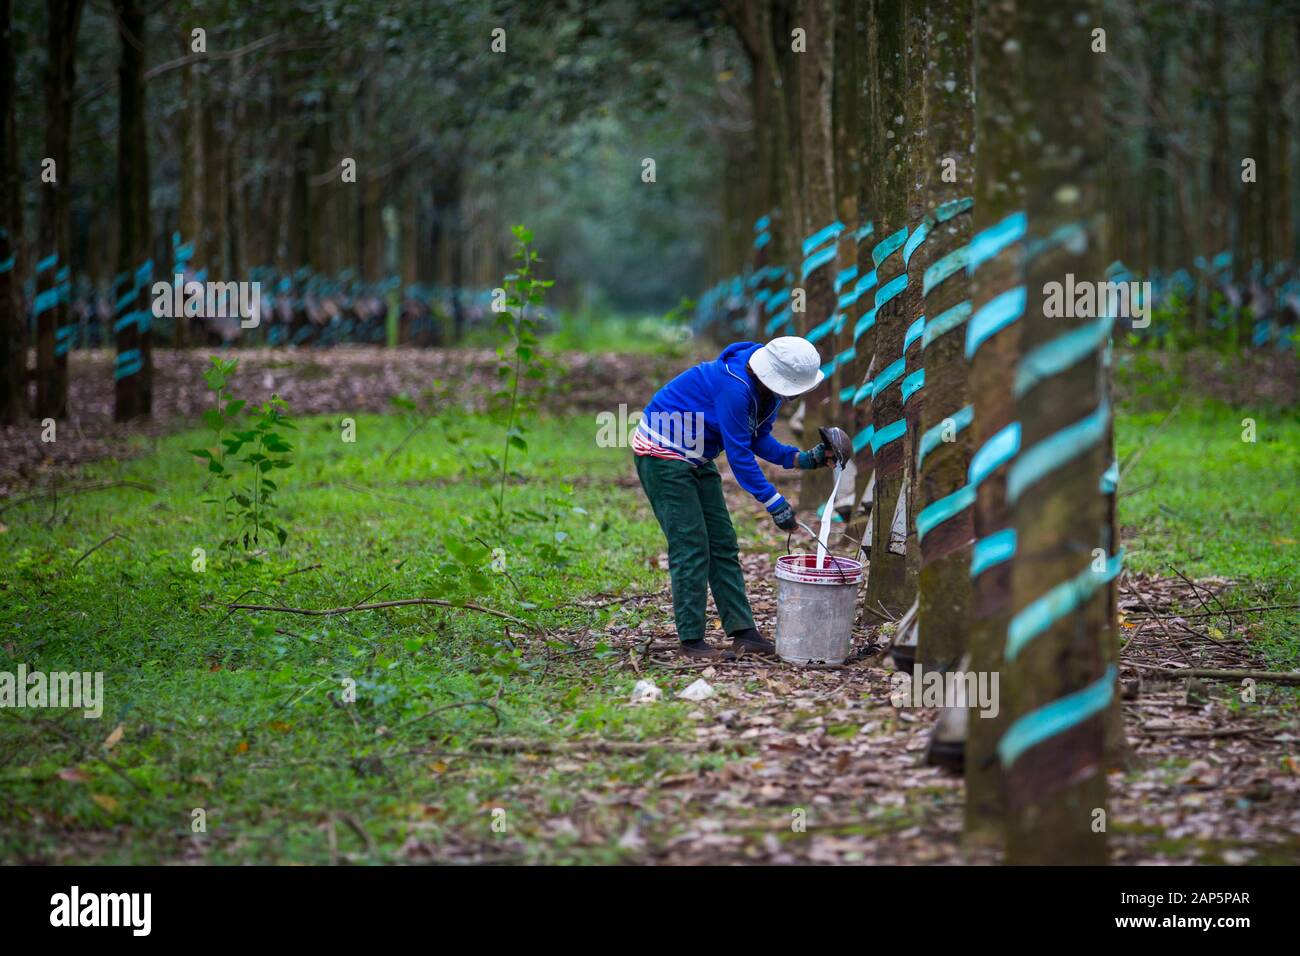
(714, 407)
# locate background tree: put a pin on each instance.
(53, 240)
(134, 311)
(13, 337)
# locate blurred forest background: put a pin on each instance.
(453, 143)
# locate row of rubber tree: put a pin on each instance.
(933, 165)
(51, 268)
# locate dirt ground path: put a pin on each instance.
(816, 765)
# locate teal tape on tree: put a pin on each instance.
(914, 332)
(820, 331)
(842, 359)
(863, 392)
(993, 454)
(914, 240)
(890, 433)
(1056, 451)
(890, 289)
(863, 438)
(888, 376)
(824, 234)
(949, 265)
(1110, 479)
(817, 260)
(993, 316)
(913, 384)
(933, 436)
(1057, 717)
(845, 277)
(867, 321)
(1073, 235)
(988, 243)
(63, 338)
(992, 550)
(45, 300)
(1063, 352)
(888, 246)
(865, 283)
(945, 322)
(128, 363)
(1037, 616)
(953, 207)
(947, 507)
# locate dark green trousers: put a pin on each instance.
(702, 550)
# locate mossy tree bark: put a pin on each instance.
(887, 586)
(860, 317)
(1000, 129)
(944, 584)
(817, 19)
(915, 136)
(1054, 774)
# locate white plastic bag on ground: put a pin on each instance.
(645, 692)
(700, 690)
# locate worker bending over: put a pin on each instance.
(728, 405)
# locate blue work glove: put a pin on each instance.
(812, 458)
(784, 517)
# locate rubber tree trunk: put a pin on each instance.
(13, 324)
(944, 502)
(53, 246)
(191, 173)
(860, 313)
(820, 230)
(997, 279)
(132, 373)
(887, 587)
(1057, 682)
(911, 388)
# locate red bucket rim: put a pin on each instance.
(803, 568)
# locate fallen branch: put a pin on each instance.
(1269, 677)
(115, 535)
(73, 490)
(1177, 732)
(464, 703)
(1226, 611)
(378, 606)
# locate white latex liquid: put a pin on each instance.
(828, 514)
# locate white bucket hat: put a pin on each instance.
(789, 366)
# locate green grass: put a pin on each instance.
(1199, 499)
(244, 716)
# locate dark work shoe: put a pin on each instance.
(749, 641)
(702, 649)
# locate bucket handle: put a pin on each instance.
(835, 558)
